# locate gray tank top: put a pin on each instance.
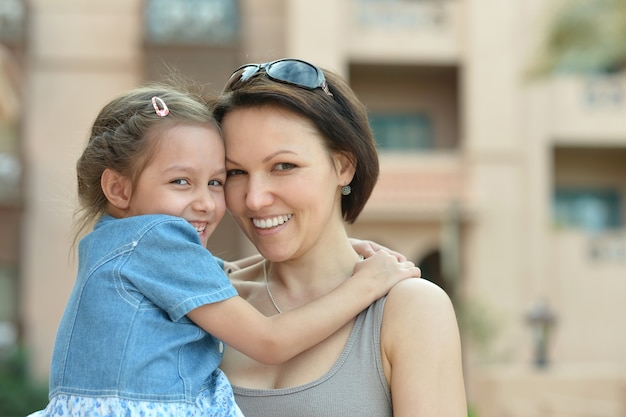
(354, 386)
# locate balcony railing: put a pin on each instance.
(425, 30)
(402, 14)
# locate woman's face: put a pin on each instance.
(283, 185)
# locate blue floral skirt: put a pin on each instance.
(217, 401)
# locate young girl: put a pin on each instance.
(141, 334)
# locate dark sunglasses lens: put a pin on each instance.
(295, 72)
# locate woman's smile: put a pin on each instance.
(270, 222)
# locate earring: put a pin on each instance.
(346, 190)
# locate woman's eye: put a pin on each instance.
(233, 172)
(180, 181)
(284, 166)
(216, 183)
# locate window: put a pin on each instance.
(12, 16)
(408, 131)
(191, 22)
(590, 209)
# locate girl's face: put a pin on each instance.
(184, 178)
(283, 185)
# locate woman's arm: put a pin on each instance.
(278, 338)
(422, 352)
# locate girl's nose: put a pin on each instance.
(204, 201)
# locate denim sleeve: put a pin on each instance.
(219, 261)
(171, 268)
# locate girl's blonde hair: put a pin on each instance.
(123, 139)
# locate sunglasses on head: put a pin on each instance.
(288, 71)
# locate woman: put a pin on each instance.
(301, 163)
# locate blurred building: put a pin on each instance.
(509, 193)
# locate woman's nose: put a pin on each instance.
(259, 193)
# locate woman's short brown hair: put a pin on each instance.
(341, 119)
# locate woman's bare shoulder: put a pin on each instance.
(417, 300)
(418, 291)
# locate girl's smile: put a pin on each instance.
(185, 177)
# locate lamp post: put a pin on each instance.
(541, 320)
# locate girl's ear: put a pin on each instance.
(116, 188)
(346, 167)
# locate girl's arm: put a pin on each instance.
(422, 351)
(278, 338)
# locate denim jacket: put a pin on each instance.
(124, 331)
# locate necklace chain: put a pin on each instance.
(267, 285)
(267, 288)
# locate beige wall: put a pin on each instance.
(575, 392)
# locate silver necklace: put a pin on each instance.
(267, 288)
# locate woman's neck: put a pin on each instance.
(319, 271)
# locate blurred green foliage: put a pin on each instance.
(584, 36)
(20, 395)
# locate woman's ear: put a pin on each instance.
(346, 167)
(116, 188)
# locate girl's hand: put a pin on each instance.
(382, 271)
(241, 263)
(367, 248)
(230, 267)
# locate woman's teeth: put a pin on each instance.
(272, 222)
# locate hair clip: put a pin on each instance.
(160, 111)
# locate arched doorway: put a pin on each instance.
(430, 264)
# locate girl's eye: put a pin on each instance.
(233, 172)
(216, 183)
(284, 166)
(180, 181)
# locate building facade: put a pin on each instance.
(510, 193)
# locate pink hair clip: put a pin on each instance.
(161, 111)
